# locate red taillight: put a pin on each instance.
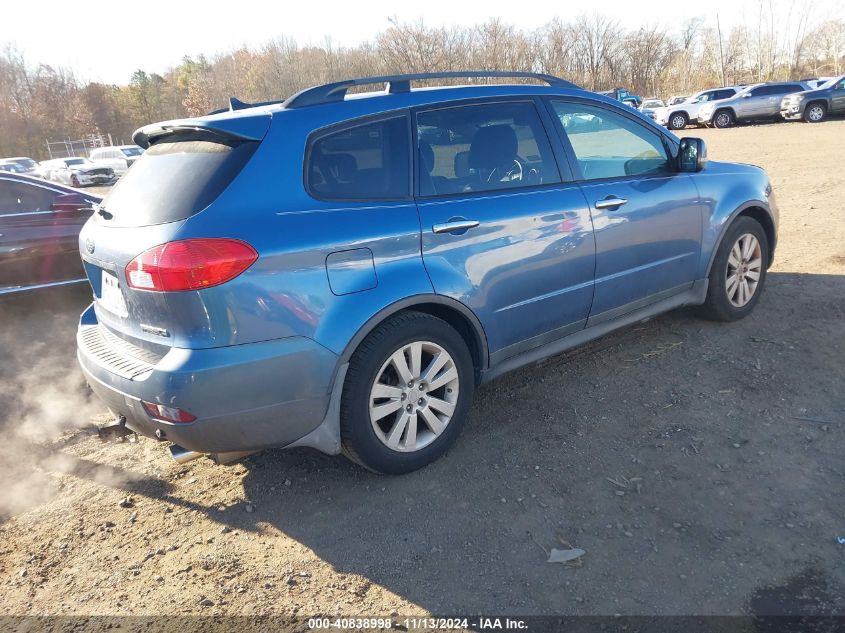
(168, 414)
(190, 264)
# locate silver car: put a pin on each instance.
(755, 102)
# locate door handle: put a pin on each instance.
(611, 202)
(454, 225)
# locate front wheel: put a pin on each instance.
(678, 121)
(815, 113)
(407, 394)
(738, 272)
(723, 119)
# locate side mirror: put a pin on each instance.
(70, 203)
(692, 155)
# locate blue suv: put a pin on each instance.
(341, 271)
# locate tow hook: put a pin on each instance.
(116, 431)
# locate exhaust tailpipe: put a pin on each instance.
(222, 459)
(183, 455)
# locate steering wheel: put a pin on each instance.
(515, 172)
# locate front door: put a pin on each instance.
(646, 216)
(837, 98)
(500, 231)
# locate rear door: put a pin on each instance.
(646, 215)
(37, 244)
(501, 230)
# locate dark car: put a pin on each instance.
(39, 232)
(814, 105)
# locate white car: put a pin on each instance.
(119, 157)
(678, 116)
(18, 165)
(649, 106)
(76, 172)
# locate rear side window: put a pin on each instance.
(367, 161)
(724, 94)
(175, 179)
(483, 147)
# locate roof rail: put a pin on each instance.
(334, 92)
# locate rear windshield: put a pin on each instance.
(175, 179)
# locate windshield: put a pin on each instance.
(830, 83)
(654, 103)
(26, 163)
(76, 161)
(132, 151)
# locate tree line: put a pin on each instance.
(40, 102)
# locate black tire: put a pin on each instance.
(74, 181)
(358, 437)
(677, 121)
(717, 306)
(723, 118)
(815, 112)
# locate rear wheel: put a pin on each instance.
(723, 118)
(738, 272)
(678, 121)
(407, 394)
(815, 112)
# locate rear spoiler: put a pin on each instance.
(240, 128)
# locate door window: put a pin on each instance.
(483, 147)
(609, 145)
(19, 198)
(362, 162)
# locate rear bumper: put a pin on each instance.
(245, 397)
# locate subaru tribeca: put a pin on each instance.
(341, 271)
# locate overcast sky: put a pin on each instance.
(106, 41)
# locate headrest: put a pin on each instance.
(493, 146)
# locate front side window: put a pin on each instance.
(483, 147)
(607, 144)
(362, 162)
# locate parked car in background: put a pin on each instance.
(622, 94)
(25, 165)
(650, 105)
(329, 278)
(13, 168)
(677, 99)
(39, 233)
(76, 172)
(753, 103)
(678, 116)
(119, 158)
(814, 105)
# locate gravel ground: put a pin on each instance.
(699, 465)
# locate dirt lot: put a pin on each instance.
(699, 465)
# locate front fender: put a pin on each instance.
(727, 190)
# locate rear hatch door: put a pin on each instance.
(186, 166)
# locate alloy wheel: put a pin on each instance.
(678, 122)
(723, 119)
(816, 113)
(745, 265)
(414, 396)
